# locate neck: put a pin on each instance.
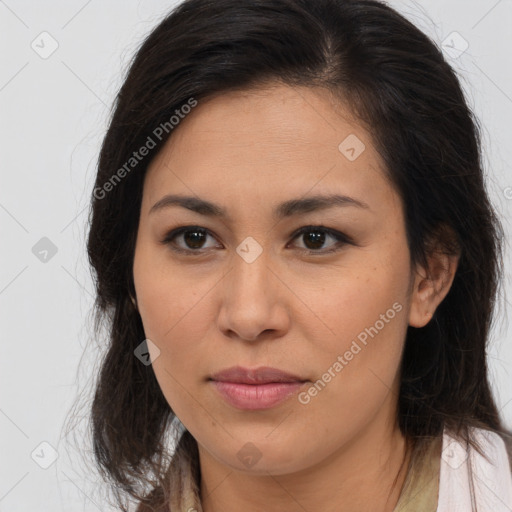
(365, 474)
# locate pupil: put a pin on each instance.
(190, 241)
(315, 237)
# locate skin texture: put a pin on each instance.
(248, 151)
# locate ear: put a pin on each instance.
(432, 283)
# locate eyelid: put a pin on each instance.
(174, 233)
(342, 238)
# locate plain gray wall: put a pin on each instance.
(53, 116)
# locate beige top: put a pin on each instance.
(420, 491)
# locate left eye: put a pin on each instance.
(317, 236)
(194, 237)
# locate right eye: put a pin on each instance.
(192, 236)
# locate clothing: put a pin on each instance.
(438, 482)
(492, 479)
(421, 486)
(443, 483)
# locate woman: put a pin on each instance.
(323, 346)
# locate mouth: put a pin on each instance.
(260, 388)
(261, 375)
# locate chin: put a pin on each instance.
(253, 458)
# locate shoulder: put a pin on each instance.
(496, 446)
(507, 440)
(480, 473)
(148, 508)
(153, 503)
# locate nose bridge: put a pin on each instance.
(251, 297)
(251, 275)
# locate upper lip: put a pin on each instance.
(261, 375)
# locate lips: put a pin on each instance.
(256, 389)
(261, 375)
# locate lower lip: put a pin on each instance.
(256, 396)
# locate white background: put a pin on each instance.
(53, 115)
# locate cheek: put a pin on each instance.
(174, 318)
(357, 363)
(364, 312)
(358, 299)
(172, 309)
(177, 322)
(167, 295)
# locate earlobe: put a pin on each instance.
(418, 319)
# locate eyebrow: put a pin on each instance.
(286, 209)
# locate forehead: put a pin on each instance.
(276, 141)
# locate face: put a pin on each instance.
(329, 304)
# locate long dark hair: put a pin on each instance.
(400, 87)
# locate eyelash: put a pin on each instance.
(341, 238)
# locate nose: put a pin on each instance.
(254, 300)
